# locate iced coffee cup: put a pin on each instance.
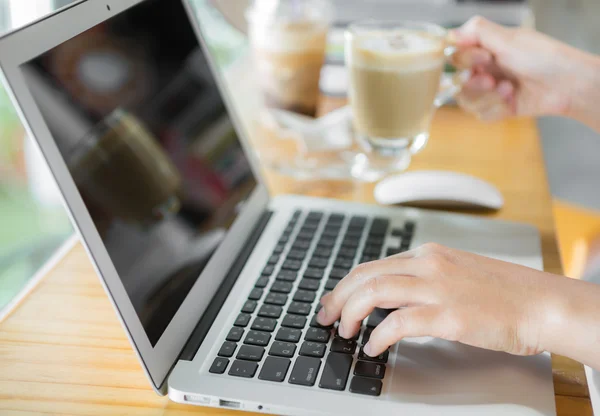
(289, 39)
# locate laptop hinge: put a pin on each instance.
(214, 307)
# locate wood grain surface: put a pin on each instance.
(63, 351)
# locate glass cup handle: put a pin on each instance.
(451, 85)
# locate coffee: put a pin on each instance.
(289, 57)
(394, 79)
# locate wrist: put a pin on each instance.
(584, 89)
(569, 324)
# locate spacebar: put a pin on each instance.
(335, 373)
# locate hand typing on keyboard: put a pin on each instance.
(464, 297)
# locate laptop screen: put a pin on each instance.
(140, 123)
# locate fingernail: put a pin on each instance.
(341, 330)
(322, 315)
(367, 349)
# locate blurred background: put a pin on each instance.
(33, 223)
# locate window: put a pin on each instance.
(33, 223)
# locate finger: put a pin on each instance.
(496, 105)
(471, 57)
(335, 301)
(479, 84)
(387, 292)
(482, 32)
(419, 321)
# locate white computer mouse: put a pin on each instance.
(440, 189)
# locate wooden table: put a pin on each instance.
(64, 352)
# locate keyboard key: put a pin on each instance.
(346, 346)
(372, 250)
(288, 335)
(367, 369)
(350, 243)
(354, 233)
(404, 246)
(242, 320)
(268, 270)
(373, 240)
(366, 336)
(318, 262)
(276, 298)
(312, 349)
(358, 220)
(336, 371)
(368, 259)
(250, 353)
(296, 214)
(315, 324)
(241, 368)
(306, 235)
(331, 232)
(354, 338)
(219, 365)
(281, 287)
(337, 218)
(410, 226)
(309, 284)
(262, 282)
(287, 275)
(337, 273)
(290, 264)
(279, 248)
(274, 369)
(270, 311)
(296, 254)
(377, 316)
(347, 252)
(249, 306)
(283, 349)
(366, 386)
(255, 294)
(272, 260)
(307, 296)
(227, 349)
(332, 283)
(235, 334)
(301, 245)
(258, 338)
(294, 321)
(321, 251)
(264, 324)
(313, 273)
(327, 242)
(381, 358)
(305, 371)
(392, 251)
(299, 308)
(343, 263)
(315, 215)
(283, 239)
(317, 335)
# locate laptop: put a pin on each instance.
(216, 282)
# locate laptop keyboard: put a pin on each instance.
(276, 336)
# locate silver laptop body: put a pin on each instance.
(123, 101)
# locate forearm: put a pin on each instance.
(572, 322)
(584, 89)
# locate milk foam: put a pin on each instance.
(399, 51)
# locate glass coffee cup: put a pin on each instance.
(396, 84)
(288, 39)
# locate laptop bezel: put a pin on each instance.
(23, 45)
